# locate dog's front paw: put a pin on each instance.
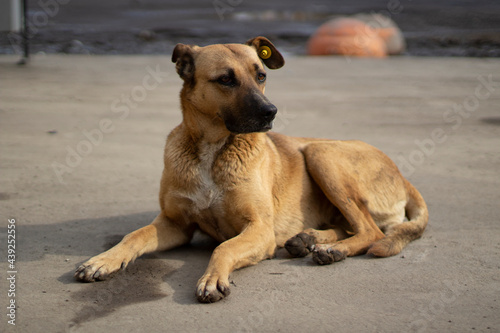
(300, 245)
(327, 256)
(98, 268)
(212, 288)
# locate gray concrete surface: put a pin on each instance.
(81, 141)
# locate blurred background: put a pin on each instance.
(430, 27)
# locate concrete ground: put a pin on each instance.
(81, 141)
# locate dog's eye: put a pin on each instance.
(261, 77)
(226, 80)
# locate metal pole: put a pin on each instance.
(26, 43)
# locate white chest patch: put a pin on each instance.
(206, 192)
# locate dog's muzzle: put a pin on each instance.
(256, 114)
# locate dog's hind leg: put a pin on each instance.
(336, 168)
(400, 234)
(365, 230)
(161, 234)
(303, 243)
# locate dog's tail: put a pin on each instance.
(398, 236)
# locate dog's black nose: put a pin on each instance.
(269, 111)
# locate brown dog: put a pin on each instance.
(254, 191)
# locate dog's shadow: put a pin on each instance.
(151, 277)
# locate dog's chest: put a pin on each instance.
(204, 193)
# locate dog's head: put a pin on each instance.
(228, 81)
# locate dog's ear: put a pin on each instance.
(184, 61)
(267, 52)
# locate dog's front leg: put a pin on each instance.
(255, 243)
(161, 234)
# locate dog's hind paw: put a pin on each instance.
(300, 245)
(328, 256)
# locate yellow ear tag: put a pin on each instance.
(264, 52)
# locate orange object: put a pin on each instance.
(352, 37)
